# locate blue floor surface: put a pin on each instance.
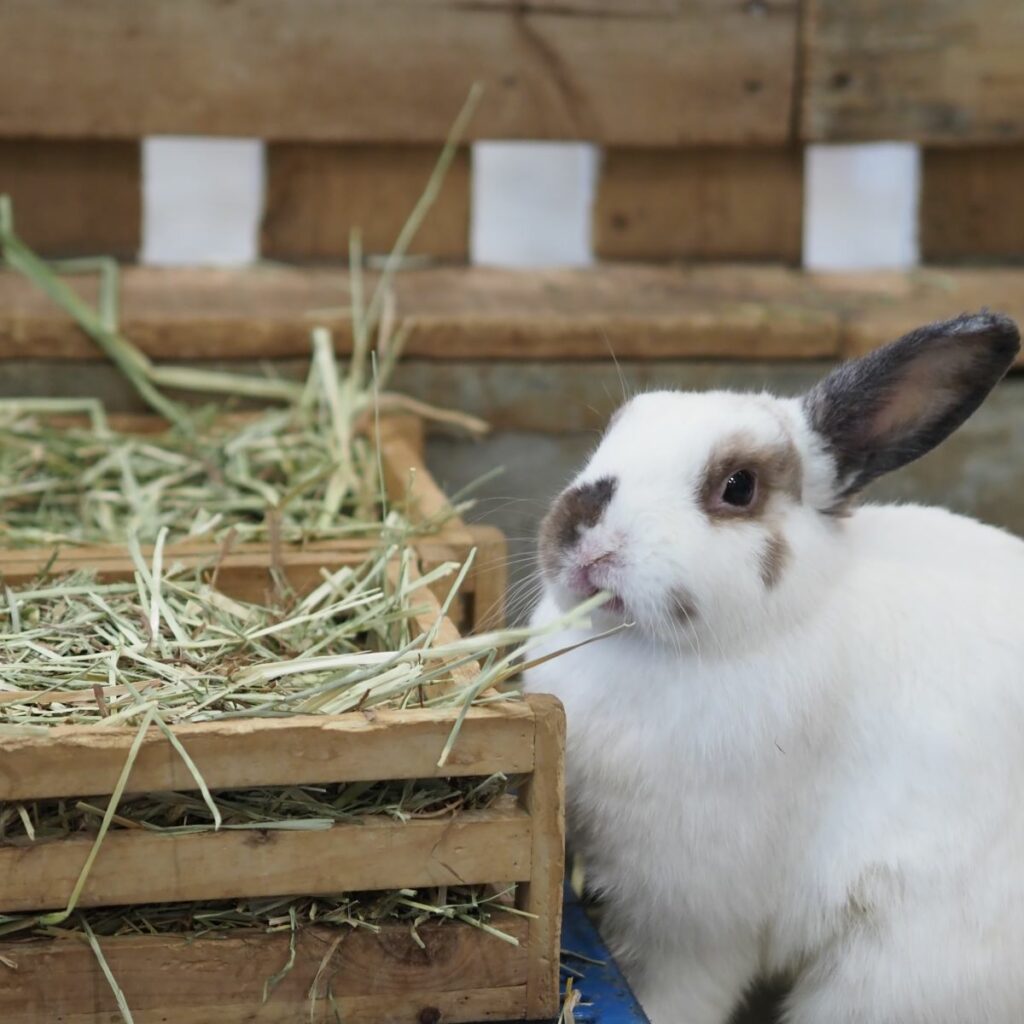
(606, 997)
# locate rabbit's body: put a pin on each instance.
(821, 777)
(762, 809)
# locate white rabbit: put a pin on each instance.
(805, 755)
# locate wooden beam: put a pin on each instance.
(638, 312)
(924, 70)
(464, 973)
(71, 761)
(700, 204)
(75, 198)
(266, 312)
(317, 193)
(470, 848)
(878, 308)
(972, 205)
(399, 70)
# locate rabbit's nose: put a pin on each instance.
(591, 576)
(606, 559)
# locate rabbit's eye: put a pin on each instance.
(740, 488)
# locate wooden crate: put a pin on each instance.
(246, 569)
(463, 974)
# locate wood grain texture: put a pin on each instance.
(374, 979)
(466, 1006)
(472, 847)
(75, 197)
(705, 311)
(304, 750)
(880, 307)
(244, 574)
(700, 204)
(399, 70)
(244, 571)
(317, 193)
(936, 71)
(429, 616)
(544, 798)
(476, 312)
(972, 205)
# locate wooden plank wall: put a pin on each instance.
(75, 198)
(356, 96)
(617, 72)
(316, 193)
(972, 204)
(931, 71)
(702, 110)
(945, 75)
(700, 204)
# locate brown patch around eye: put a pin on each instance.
(774, 559)
(777, 467)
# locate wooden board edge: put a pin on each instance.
(477, 847)
(308, 750)
(544, 799)
(60, 978)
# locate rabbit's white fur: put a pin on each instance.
(820, 777)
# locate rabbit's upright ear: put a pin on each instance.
(880, 412)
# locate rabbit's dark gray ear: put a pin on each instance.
(880, 412)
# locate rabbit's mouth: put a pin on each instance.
(583, 587)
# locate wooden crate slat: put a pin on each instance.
(455, 314)
(924, 70)
(307, 749)
(245, 577)
(111, 558)
(398, 71)
(244, 570)
(373, 978)
(245, 574)
(473, 847)
(544, 799)
(75, 197)
(316, 193)
(408, 480)
(972, 204)
(427, 605)
(701, 204)
(467, 1006)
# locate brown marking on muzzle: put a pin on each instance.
(778, 469)
(574, 509)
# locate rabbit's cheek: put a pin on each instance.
(774, 559)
